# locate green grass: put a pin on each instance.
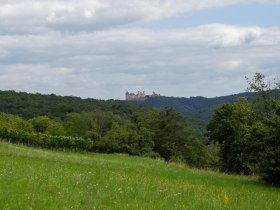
(33, 178)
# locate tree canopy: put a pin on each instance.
(248, 132)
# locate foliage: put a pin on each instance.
(171, 134)
(75, 124)
(156, 133)
(112, 126)
(101, 122)
(230, 127)
(45, 140)
(126, 139)
(10, 121)
(249, 132)
(29, 105)
(43, 124)
(197, 109)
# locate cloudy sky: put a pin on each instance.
(102, 48)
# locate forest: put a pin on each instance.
(241, 137)
(154, 133)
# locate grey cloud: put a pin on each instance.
(40, 16)
(104, 64)
(73, 48)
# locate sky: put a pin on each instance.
(103, 48)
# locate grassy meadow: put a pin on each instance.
(32, 178)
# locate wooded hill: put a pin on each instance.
(199, 107)
(28, 105)
(196, 110)
(52, 121)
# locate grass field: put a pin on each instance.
(40, 179)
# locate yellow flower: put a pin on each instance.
(225, 199)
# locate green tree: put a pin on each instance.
(14, 122)
(101, 122)
(196, 154)
(44, 124)
(249, 133)
(268, 91)
(75, 125)
(268, 131)
(270, 153)
(171, 134)
(40, 124)
(230, 127)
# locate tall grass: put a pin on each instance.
(40, 179)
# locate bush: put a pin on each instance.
(45, 140)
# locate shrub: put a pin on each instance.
(45, 140)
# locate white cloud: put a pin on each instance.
(37, 16)
(182, 62)
(73, 47)
(233, 36)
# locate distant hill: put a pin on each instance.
(197, 110)
(28, 105)
(198, 107)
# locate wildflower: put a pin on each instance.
(225, 199)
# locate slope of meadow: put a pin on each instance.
(32, 178)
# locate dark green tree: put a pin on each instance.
(101, 122)
(230, 127)
(44, 124)
(40, 124)
(75, 125)
(171, 134)
(249, 133)
(267, 134)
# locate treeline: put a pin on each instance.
(154, 133)
(199, 108)
(29, 105)
(249, 132)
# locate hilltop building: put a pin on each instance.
(140, 96)
(154, 94)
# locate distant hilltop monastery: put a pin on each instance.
(140, 96)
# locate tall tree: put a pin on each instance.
(269, 117)
(75, 124)
(229, 127)
(171, 134)
(249, 133)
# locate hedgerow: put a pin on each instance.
(45, 140)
